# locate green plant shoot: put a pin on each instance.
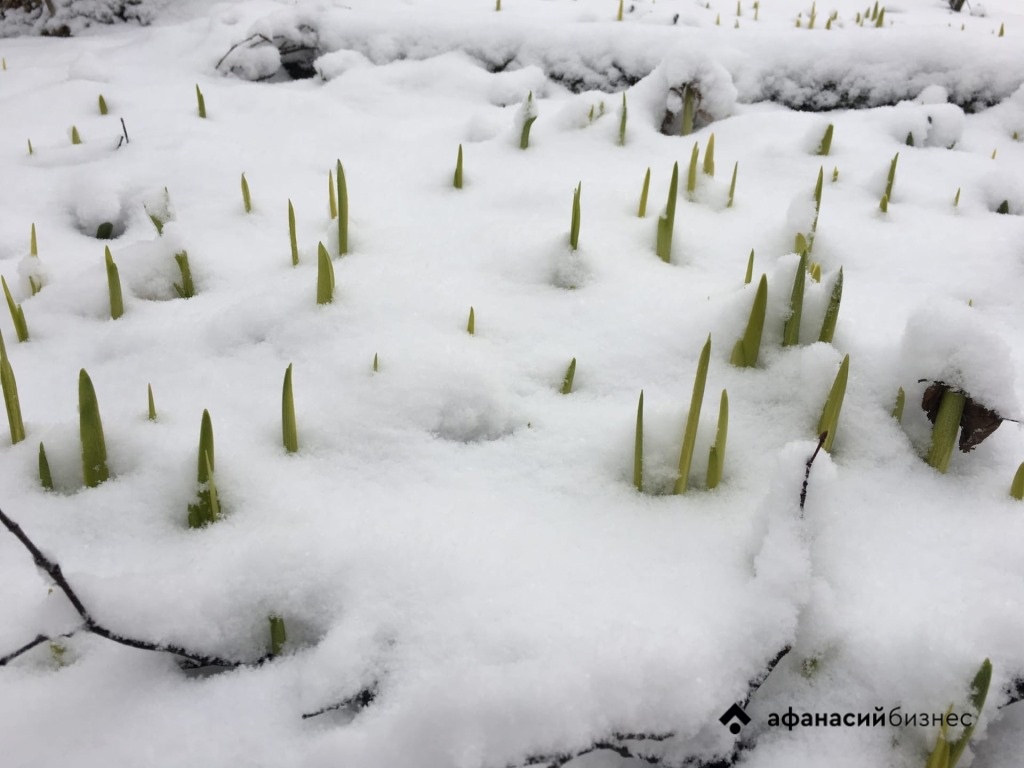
(289, 429)
(201, 102)
(342, 210)
(570, 374)
(113, 286)
(709, 157)
(791, 329)
(818, 186)
(750, 268)
(828, 324)
(944, 432)
(618, 16)
(457, 181)
(883, 204)
(94, 447)
(30, 150)
(471, 324)
(75, 138)
(1017, 486)
(206, 509)
(666, 222)
(278, 636)
(891, 178)
(45, 476)
(292, 236)
(897, 409)
(946, 754)
(574, 226)
(834, 404)
(33, 245)
(689, 109)
(529, 116)
(691, 175)
(151, 403)
(11, 400)
(332, 199)
(186, 289)
(103, 105)
(716, 456)
(246, 197)
(956, 198)
(324, 276)
(17, 313)
(642, 210)
(376, 364)
(825, 145)
(747, 348)
(732, 184)
(692, 418)
(623, 115)
(638, 446)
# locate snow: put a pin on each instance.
(453, 530)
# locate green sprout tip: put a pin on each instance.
(94, 447)
(570, 374)
(692, 418)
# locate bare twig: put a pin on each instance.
(757, 682)
(359, 701)
(53, 570)
(807, 472)
(252, 38)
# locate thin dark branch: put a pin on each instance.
(643, 736)
(39, 640)
(807, 472)
(53, 570)
(249, 39)
(359, 701)
(558, 759)
(758, 681)
(24, 649)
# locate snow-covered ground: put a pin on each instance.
(454, 532)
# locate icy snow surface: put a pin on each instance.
(453, 530)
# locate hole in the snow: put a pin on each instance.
(102, 228)
(297, 61)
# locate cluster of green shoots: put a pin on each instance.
(874, 14)
(716, 453)
(666, 221)
(813, 18)
(946, 753)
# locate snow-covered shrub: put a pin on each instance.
(68, 17)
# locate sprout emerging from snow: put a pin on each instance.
(94, 448)
(527, 116)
